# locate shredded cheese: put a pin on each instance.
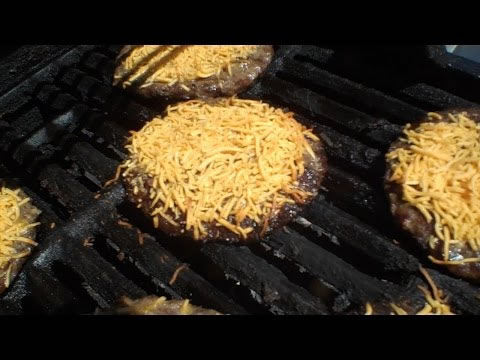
(439, 171)
(152, 305)
(189, 63)
(220, 162)
(436, 302)
(13, 228)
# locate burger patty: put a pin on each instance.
(243, 73)
(310, 181)
(30, 214)
(412, 220)
(152, 305)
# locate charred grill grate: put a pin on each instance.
(61, 136)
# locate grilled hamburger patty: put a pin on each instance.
(310, 181)
(412, 220)
(29, 213)
(139, 184)
(243, 73)
(152, 305)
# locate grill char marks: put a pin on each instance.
(244, 73)
(411, 219)
(310, 181)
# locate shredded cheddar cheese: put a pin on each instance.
(139, 53)
(177, 64)
(439, 171)
(12, 228)
(220, 162)
(436, 302)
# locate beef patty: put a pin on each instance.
(17, 251)
(137, 65)
(139, 183)
(412, 220)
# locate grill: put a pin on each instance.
(62, 130)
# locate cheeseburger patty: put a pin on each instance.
(185, 72)
(223, 170)
(17, 233)
(413, 221)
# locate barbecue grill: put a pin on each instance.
(62, 130)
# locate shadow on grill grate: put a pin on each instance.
(62, 136)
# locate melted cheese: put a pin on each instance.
(221, 162)
(12, 228)
(185, 64)
(439, 171)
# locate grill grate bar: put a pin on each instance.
(92, 161)
(350, 153)
(20, 128)
(161, 265)
(64, 187)
(462, 295)
(434, 99)
(376, 103)
(360, 126)
(15, 97)
(354, 234)
(352, 194)
(324, 265)
(268, 285)
(98, 65)
(27, 59)
(86, 88)
(107, 284)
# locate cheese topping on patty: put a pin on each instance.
(439, 172)
(221, 162)
(177, 63)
